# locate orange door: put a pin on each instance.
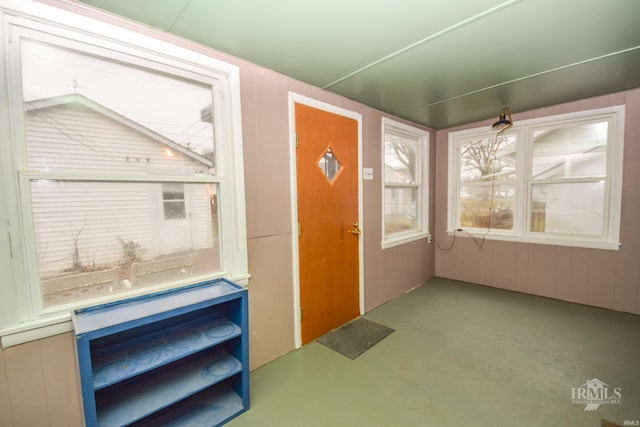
(327, 182)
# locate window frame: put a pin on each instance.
(515, 182)
(22, 317)
(610, 238)
(422, 138)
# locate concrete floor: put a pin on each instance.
(461, 355)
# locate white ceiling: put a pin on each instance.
(438, 63)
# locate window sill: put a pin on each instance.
(547, 240)
(59, 324)
(36, 330)
(402, 239)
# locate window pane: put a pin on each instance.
(400, 159)
(476, 203)
(97, 238)
(576, 150)
(173, 191)
(487, 158)
(329, 164)
(572, 208)
(400, 210)
(174, 203)
(88, 113)
(174, 209)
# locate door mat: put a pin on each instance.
(606, 423)
(355, 337)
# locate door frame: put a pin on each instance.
(295, 98)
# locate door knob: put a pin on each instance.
(356, 231)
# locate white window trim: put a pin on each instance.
(520, 233)
(20, 320)
(422, 136)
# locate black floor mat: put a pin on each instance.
(355, 337)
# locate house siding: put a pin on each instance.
(95, 215)
(201, 214)
(90, 217)
(73, 137)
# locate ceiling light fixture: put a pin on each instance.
(504, 122)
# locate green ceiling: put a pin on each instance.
(438, 63)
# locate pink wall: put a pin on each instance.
(601, 278)
(38, 380)
(387, 273)
(395, 270)
(39, 384)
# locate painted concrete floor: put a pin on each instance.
(461, 355)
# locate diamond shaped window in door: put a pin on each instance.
(329, 164)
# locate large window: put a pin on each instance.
(120, 163)
(555, 180)
(406, 163)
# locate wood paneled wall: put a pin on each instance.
(39, 384)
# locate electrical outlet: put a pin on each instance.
(367, 174)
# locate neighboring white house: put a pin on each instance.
(94, 222)
(568, 194)
(398, 201)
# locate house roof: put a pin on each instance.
(39, 104)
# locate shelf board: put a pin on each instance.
(153, 393)
(138, 309)
(144, 355)
(208, 408)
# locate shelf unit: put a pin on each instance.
(177, 357)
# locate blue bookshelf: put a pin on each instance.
(177, 357)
